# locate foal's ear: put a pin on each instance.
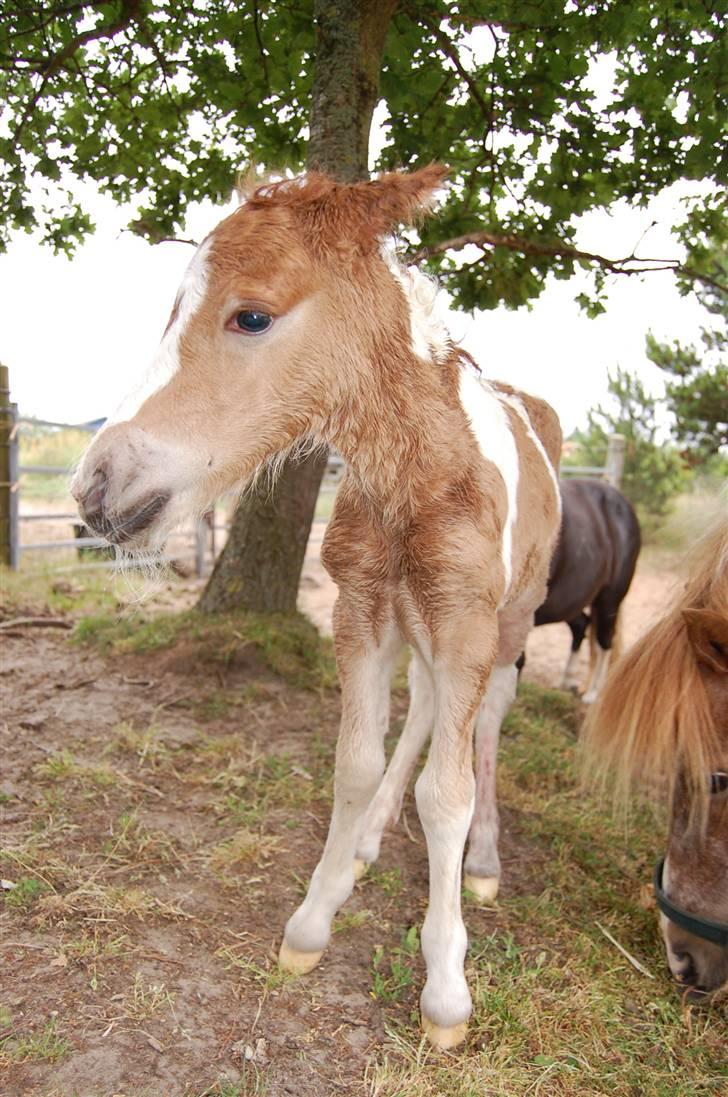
(396, 198)
(708, 635)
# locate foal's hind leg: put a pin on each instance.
(387, 802)
(365, 665)
(482, 863)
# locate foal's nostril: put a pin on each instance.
(91, 501)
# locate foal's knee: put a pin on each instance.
(445, 800)
(359, 769)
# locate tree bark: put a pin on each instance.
(260, 566)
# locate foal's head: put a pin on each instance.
(662, 722)
(285, 309)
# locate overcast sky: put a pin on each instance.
(77, 334)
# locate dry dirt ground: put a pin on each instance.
(172, 814)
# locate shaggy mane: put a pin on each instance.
(652, 726)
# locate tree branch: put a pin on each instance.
(129, 12)
(449, 48)
(629, 265)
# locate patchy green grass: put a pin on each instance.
(42, 1046)
(41, 589)
(288, 646)
(393, 971)
(143, 1000)
(164, 859)
(25, 893)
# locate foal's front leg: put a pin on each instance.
(445, 792)
(387, 803)
(365, 663)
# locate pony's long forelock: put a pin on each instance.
(652, 727)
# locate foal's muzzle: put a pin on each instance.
(117, 527)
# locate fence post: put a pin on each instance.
(8, 474)
(615, 459)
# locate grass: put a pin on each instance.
(42, 1046)
(287, 646)
(558, 1010)
(143, 1001)
(393, 971)
(41, 589)
(25, 893)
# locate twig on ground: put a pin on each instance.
(628, 956)
(36, 622)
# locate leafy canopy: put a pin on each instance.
(544, 110)
(697, 385)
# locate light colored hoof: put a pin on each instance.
(298, 963)
(485, 888)
(589, 698)
(444, 1038)
(360, 868)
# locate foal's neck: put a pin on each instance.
(402, 434)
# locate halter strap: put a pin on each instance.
(717, 932)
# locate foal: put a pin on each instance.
(293, 323)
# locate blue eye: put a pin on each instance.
(253, 322)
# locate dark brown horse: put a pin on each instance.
(591, 571)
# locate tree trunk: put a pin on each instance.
(260, 567)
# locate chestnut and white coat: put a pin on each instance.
(294, 323)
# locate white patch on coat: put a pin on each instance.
(601, 667)
(520, 410)
(489, 422)
(571, 671)
(166, 361)
(430, 338)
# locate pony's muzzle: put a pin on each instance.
(117, 526)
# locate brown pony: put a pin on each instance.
(662, 723)
(295, 324)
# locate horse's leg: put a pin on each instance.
(482, 863)
(387, 802)
(444, 792)
(605, 611)
(578, 626)
(365, 666)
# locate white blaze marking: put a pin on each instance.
(489, 422)
(166, 361)
(430, 338)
